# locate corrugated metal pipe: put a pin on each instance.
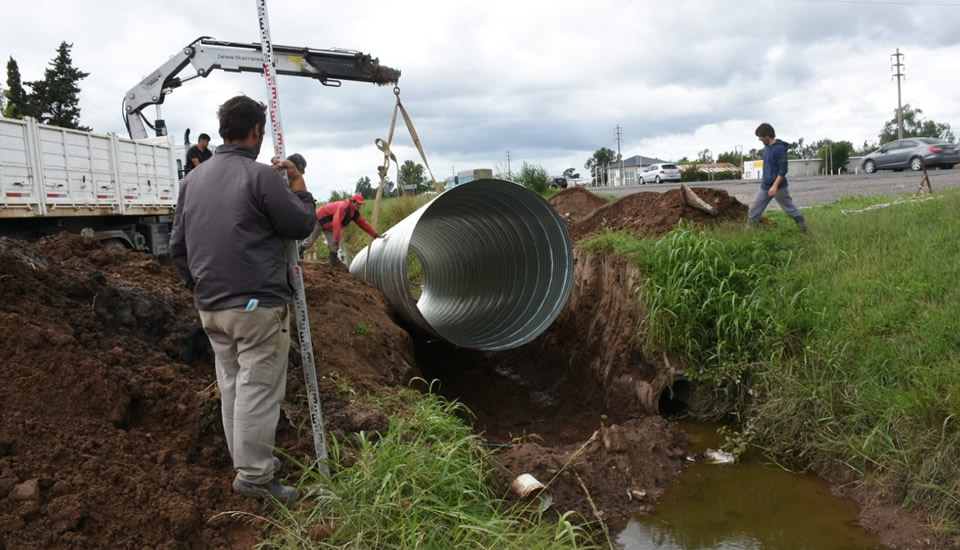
(497, 265)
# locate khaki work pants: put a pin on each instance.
(251, 359)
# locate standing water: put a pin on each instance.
(750, 505)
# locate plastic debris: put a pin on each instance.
(711, 456)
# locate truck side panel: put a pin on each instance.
(148, 180)
(19, 196)
(77, 172)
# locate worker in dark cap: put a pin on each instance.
(298, 161)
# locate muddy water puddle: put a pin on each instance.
(751, 505)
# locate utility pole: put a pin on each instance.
(739, 150)
(898, 69)
(510, 172)
(618, 133)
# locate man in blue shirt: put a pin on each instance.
(774, 183)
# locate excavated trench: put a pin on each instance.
(586, 370)
(580, 405)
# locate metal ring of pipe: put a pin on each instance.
(497, 265)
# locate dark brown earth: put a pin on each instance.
(652, 214)
(109, 404)
(110, 432)
(574, 203)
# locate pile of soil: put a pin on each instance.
(574, 203)
(652, 214)
(110, 433)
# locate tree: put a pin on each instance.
(57, 96)
(865, 149)
(914, 125)
(534, 177)
(411, 173)
(835, 155)
(343, 194)
(601, 159)
(18, 101)
(705, 157)
(571, 173)
(365, 188)
(733, 157)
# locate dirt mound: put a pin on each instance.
(574, 203)
(655, 214)
(110, 432)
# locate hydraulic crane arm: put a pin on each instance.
(330, 67)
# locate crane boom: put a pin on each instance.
(205, 54)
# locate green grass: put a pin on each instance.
(426, 483)
(842, 346)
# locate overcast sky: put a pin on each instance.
(548, 81)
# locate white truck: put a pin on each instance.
(119, 190)
(123, 191)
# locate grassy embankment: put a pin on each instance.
(838, 348)
(426, 483)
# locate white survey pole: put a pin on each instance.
(293, 255)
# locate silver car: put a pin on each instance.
(912, 153)
(660, 173)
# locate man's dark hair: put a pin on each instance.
(203, 137)
(239, 115)
(765, 130)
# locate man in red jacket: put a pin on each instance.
(332, 218)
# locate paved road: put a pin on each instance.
(813, 190)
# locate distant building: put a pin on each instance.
(468, 176)
(753, 169)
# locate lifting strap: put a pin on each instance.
(388, 155)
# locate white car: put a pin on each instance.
(659, 173)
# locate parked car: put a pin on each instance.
(907, 153)
(558, 183)
(659, 173)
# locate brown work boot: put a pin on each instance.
(804, 228)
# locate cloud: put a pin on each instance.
(548, 81)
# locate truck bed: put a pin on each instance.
(51, 172)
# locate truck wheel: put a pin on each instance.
(115, 245)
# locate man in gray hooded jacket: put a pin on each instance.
(233, 219)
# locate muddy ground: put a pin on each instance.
(110, 432)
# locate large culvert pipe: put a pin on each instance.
(497, 265)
